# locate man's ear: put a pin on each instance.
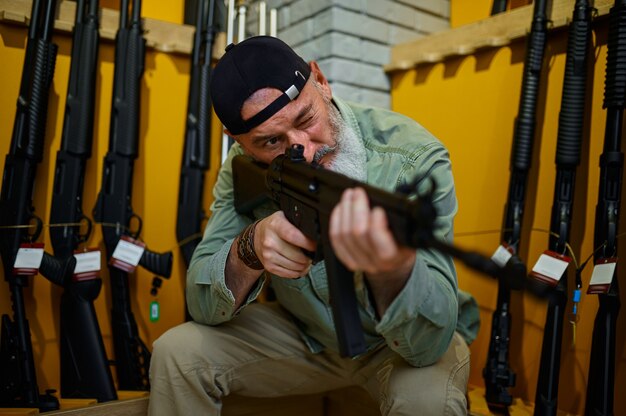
(316, 72)
(231, 135)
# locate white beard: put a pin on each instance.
(348, 153)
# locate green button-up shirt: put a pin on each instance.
(420, 322)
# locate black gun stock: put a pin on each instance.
(600, 384)
(85, 370)
(498, 374)
(18, 382)
(307, 195)
(113, 209)
(569, 141)
(196, 152)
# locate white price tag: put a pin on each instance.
(88, 261)
(550, 267)
(28, 259)
(127, 254)
(602, 276)
(502, 255)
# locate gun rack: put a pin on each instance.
(160, 35)
(492, 32)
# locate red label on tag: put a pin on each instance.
(28, 259)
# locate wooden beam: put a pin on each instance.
(131, 407)
(495, 31)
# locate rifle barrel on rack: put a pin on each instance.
(113, 209)
(569, 141)
(18, 382)
(498, 374)
(600, 384)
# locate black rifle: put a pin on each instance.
(197, 134)
(569, 140)
(497, 374)
(307, 195)
(18, 382)
(85, 370)
(113, 209)
(498, 6)
(600, 384)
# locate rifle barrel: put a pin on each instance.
(569, 141)
(497, 374)
(600, 384)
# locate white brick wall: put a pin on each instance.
(352, 39)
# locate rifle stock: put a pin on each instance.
(307, 195)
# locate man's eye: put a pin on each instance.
(306, 121)
(272, 141)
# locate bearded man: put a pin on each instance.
(417, 358)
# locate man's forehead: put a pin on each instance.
(291, 112)
(258, 101)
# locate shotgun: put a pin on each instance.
(600, 385)
(113, 209)
(569, 141)
(18, 381)
(498, 374)
(85, 370)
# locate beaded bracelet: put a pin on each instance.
(245, 248)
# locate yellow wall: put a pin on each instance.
(164, 101)
(470, 103)
(463, 12)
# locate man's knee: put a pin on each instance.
(181, 380)
(177, 349)
(439, 389)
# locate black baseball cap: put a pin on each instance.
(253, 64)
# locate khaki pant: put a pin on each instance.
(261, 354)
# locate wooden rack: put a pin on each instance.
(496, 31)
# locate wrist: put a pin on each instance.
(245, 248)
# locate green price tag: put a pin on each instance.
(155, 311)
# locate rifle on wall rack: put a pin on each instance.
(569, 141)
(18, 381)
(498, 374)
(196, 153)
(113, 207)
(85, 370)
(600, 384)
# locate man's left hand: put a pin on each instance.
(362, 240)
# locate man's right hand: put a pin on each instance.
(279, 244)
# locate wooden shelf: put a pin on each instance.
(161, 36)
(495, 31)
